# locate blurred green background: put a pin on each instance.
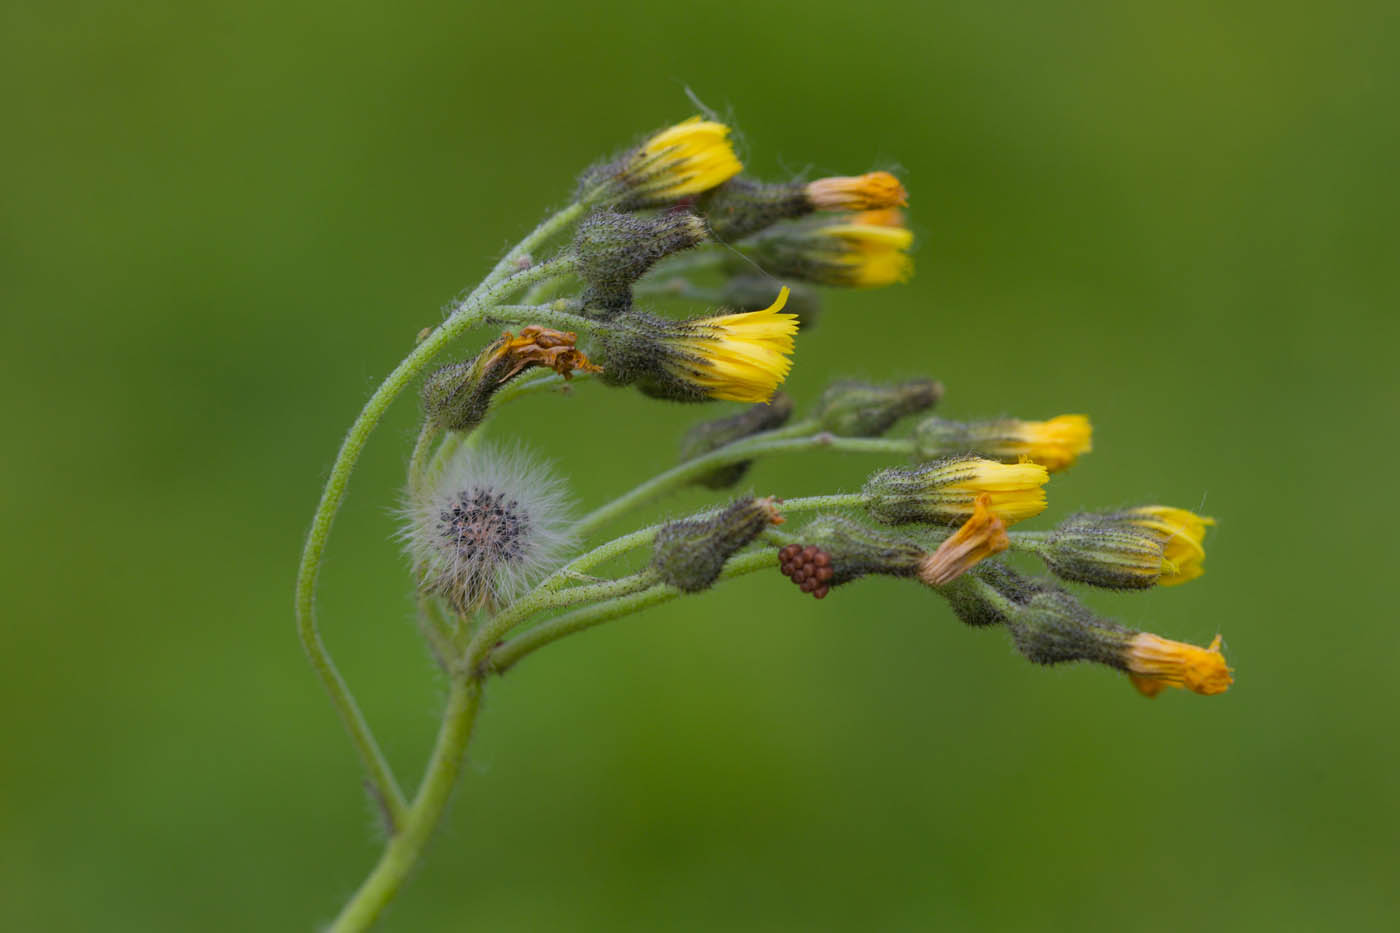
(223, 224)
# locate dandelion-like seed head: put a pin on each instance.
(488, 527)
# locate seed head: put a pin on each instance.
(486, 528)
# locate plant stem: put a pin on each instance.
(551, 225)
(418, 823)
(508, 655)
(769, 442)
(418, 462)
(542, 600)
(466, 316)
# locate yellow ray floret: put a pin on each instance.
(1183, 533)
(688, 158)
(1055, 444)
(1014, 489)
(873, 255)
(739, 357)
(1157, 663)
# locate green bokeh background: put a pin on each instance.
(223, 224)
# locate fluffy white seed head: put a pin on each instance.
(486, 528)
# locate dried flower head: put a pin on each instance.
(871, 191)
(486, 528)
(1156, 663)
(980, 537)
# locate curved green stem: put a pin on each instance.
(419, 821)
(509, 654)
(468, 314)
(543, 600)
(770, 442)
(517, 257)
(422, 448)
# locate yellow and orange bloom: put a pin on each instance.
(981, 536)
(868, 192)
(1055, 444)
(738, 357)
(1182, 532)
(945, 492)
(686, 159)
(1156, 663)
(865, 255)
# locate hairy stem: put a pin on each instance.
(418, 822)
(422, 448)
(509, 654)
(466, 316)
(769, 442)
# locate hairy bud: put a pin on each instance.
(860, 409)
(738, 357)
(1056, 443)
(970, 603)
(945, 492)
(741, 207)
(678, 162)
(458, 396)
(856, 255)
(690, 554)
(838, 550)
(1053, 627)
(709, 436)
(616, 249)
(1099, 551)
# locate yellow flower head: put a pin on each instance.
(871, 191)
(1055, 444)
(866, 255)
(946, 491)
(1157, 663)
(1182, 533)
(981, 536)
(686, 159)
(738, 357)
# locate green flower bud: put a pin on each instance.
(1052, 626)
(709, 436)
(690, 554)
(616, 249)
(838, 550)
(860, 409)
(458, 396)
(742, 206)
